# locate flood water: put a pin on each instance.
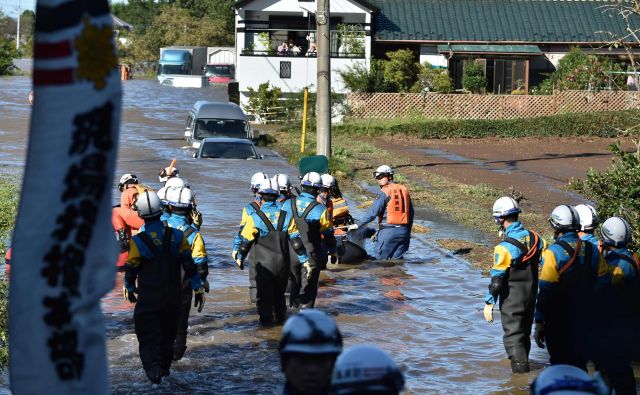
(437, 335)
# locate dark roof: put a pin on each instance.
(489, 21)
(364, 3)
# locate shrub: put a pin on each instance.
(8, 52)
(9, 196)
(401, 70)
(473, 78)
(616, 190)
(263, 101)
(581, 71)
(431, 79)
(357, 78)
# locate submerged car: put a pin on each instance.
(213, 119)
(227, 148)
(219, 73)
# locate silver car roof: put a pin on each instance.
(219, 110)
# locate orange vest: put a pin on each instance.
(398, 205)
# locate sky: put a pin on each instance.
(10, 7)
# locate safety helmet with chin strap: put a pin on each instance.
(127, 179)
(383, 171)
(588, 217)
(180, 197)
(310, 332)
(366, 369)
(148, 205)
(564, 218)
(257, 178)
(268, 187)
(505, 206)
(311, 179)
(616, 232)
(283, 181)
(328, 181)
(165, 175)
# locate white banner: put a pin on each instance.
(64, 252)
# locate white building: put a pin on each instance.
(263, 25)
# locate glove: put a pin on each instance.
(307, 265)
(129, 294)
(240, 263)
(198, 300)
(488, 313)
(538, 334)
(196, 218)
(206, 285)
(352, 227)
(234, 254)
(334, 258)
(374, 238)
(123, 240)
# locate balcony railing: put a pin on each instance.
(291, 54)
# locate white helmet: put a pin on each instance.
(127, 179)
(180, 197)
(383, 170)
(567, 379)
(615, 232)
(311, 179)
(268, 187)
(162, 194)
(365, 368)
(257, 179)
(564, 218)
(505, 206)
(283, 181)
(175, 182)
(311, 332)
(148, 204)
(328, 181)
(588, 217)
(165, 175)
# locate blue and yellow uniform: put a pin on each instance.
(514, 282)
(247, 211)
(569, 294)
(319, 214)
(394, 210)
(591, 238)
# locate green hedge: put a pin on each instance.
(9, 197)
(603, 124)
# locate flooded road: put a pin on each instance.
(437, 333)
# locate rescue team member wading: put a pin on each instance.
(572, 281)
(514, 281)
(314, 224)
(157, 257)
(268, 230)
(179, 201)
(247, 211)
(394, 211)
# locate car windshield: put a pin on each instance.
(219, 70)
(172, 69)
(228, 150)
(220, 127)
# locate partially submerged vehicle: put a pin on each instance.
(350, 244)
(216, 119)
(227, 148)
(219, 73)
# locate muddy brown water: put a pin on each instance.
(436, 334)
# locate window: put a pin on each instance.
(285, 69)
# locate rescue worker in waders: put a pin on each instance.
(570, 289)
(314, 224)
(365, 370)
(394, 211)
(309, 346)
(158, 257)
(514, 281)
(180, 203)
(125, 221)
(268, 231)
(620, 317)
(247, 211)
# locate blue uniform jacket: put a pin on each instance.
(181, 222)
(554, 258)
(621, 271)
(246, 212)
(319, 214)
(255, 227)
(591, 238)
(505, 254)
(379, 208)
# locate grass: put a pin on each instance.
(9, 198)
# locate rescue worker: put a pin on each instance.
(314, 224)
(567, 379)
(168, 173)
(269, 229)
(286, 190)
(363, 370)
(127, 181)
(339, 207)
(324, 193)
(394, 211)
(180, 201)
(157, 257)
(621, 313)
(569, 291)
(309, 346)
(126, 223)
(514, 281)
(589, 221)
(247, 211)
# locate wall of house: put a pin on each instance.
(429, 53)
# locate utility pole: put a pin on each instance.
(324, 79)
(18, 29)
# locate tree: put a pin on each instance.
(8, 52)
(473, 78)
(401, 70)
(358, 78)
(27, 27)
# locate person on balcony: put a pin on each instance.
(313, 50)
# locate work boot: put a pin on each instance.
(519, 366)
(154, 374)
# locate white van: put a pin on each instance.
(216, 119)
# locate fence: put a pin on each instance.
(452, 106)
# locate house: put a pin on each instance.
(275, 42)
(518, 41)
